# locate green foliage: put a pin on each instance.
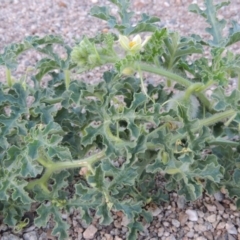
(121, 134)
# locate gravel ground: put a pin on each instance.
(208, 218)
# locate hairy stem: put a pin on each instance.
(203, 122)
(165, 73)
(67, 78)
(9, 77)
(52, 167)
(224, 142)
(183, 81)
(238, 81)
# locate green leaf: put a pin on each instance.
(12, 187)
(156, 166)
(45, 65)
(60, 182)
(30, 168)
(133, 229)
(238, 203)
(236, 176)
(211, 187)
(128, 207)
(103, 13)
(234, 34)
(104, 214)
(121, 3)
(223, 101)
(216, 25)
(44, 213)
(233, 191)
(126, 175)
(190, 189)
(208, 168)
(96, 180)
(61, 227)
(11, 52)
(141, 27)
(147, 216)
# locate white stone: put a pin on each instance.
(231, 229)
(183, 217)
(30, 236)
(192, 215)
(160, 232)
(43, 236)
(117, 224)
(90, 232)
(166, 4)
(202, 228)
(175, 223)
(117, 238)
(218, 196)
(200, 214)
(125, 221)
(181, 202)
(233, 207)
(211, 218)
(166, 234)
(221, 225)
(210, 207)
(166, 224)
(10, 237)
(108, 236)
(156, 211)
(171, 237)
(230, 237)
(219, 206)
(190, 234)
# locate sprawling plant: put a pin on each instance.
(103, 148)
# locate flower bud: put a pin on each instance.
(93, 59)
(128, 71)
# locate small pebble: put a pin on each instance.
(181, 202)
(125, 221)
(90, 232)
(211, 218)
(171, 237)
(192, 215)
(166, 224)
(202, 228)
(221, 225)
(160, 232)
(210, 207)
(43, 236)
(175, 223)
(201, 238)
(30, 236)
(218, 196)
(190, 234)
(230, 237)
(233, 207)
(10, 237)
(108, 236)
(155, 212)
(183, 217)
(117, 238)
(231, 229)
(219, 206)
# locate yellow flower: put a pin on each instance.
(133, 45)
